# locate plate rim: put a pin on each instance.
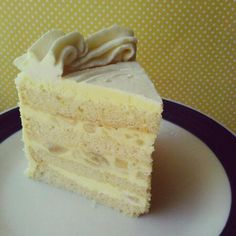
(217, 137)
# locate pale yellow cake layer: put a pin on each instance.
(101, 193)
(123, 143)
(123, 136)
(132, 178)
(83, 101)
(137, 172)
(137, 188)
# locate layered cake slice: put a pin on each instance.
(90, 116)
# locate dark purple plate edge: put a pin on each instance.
(9, 123)
(219, 140)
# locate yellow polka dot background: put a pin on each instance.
(186, 46)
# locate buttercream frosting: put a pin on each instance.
(57, 54)
(128, 77)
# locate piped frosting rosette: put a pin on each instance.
(57, 54)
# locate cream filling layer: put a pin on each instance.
(130, 175)
(123, 136)
(104, 188)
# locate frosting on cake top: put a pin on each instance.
(57, 54)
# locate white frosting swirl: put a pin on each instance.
(56, 54)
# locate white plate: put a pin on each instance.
(191, 195)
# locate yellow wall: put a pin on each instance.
(186, 46)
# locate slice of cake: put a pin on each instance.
(90, 116)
